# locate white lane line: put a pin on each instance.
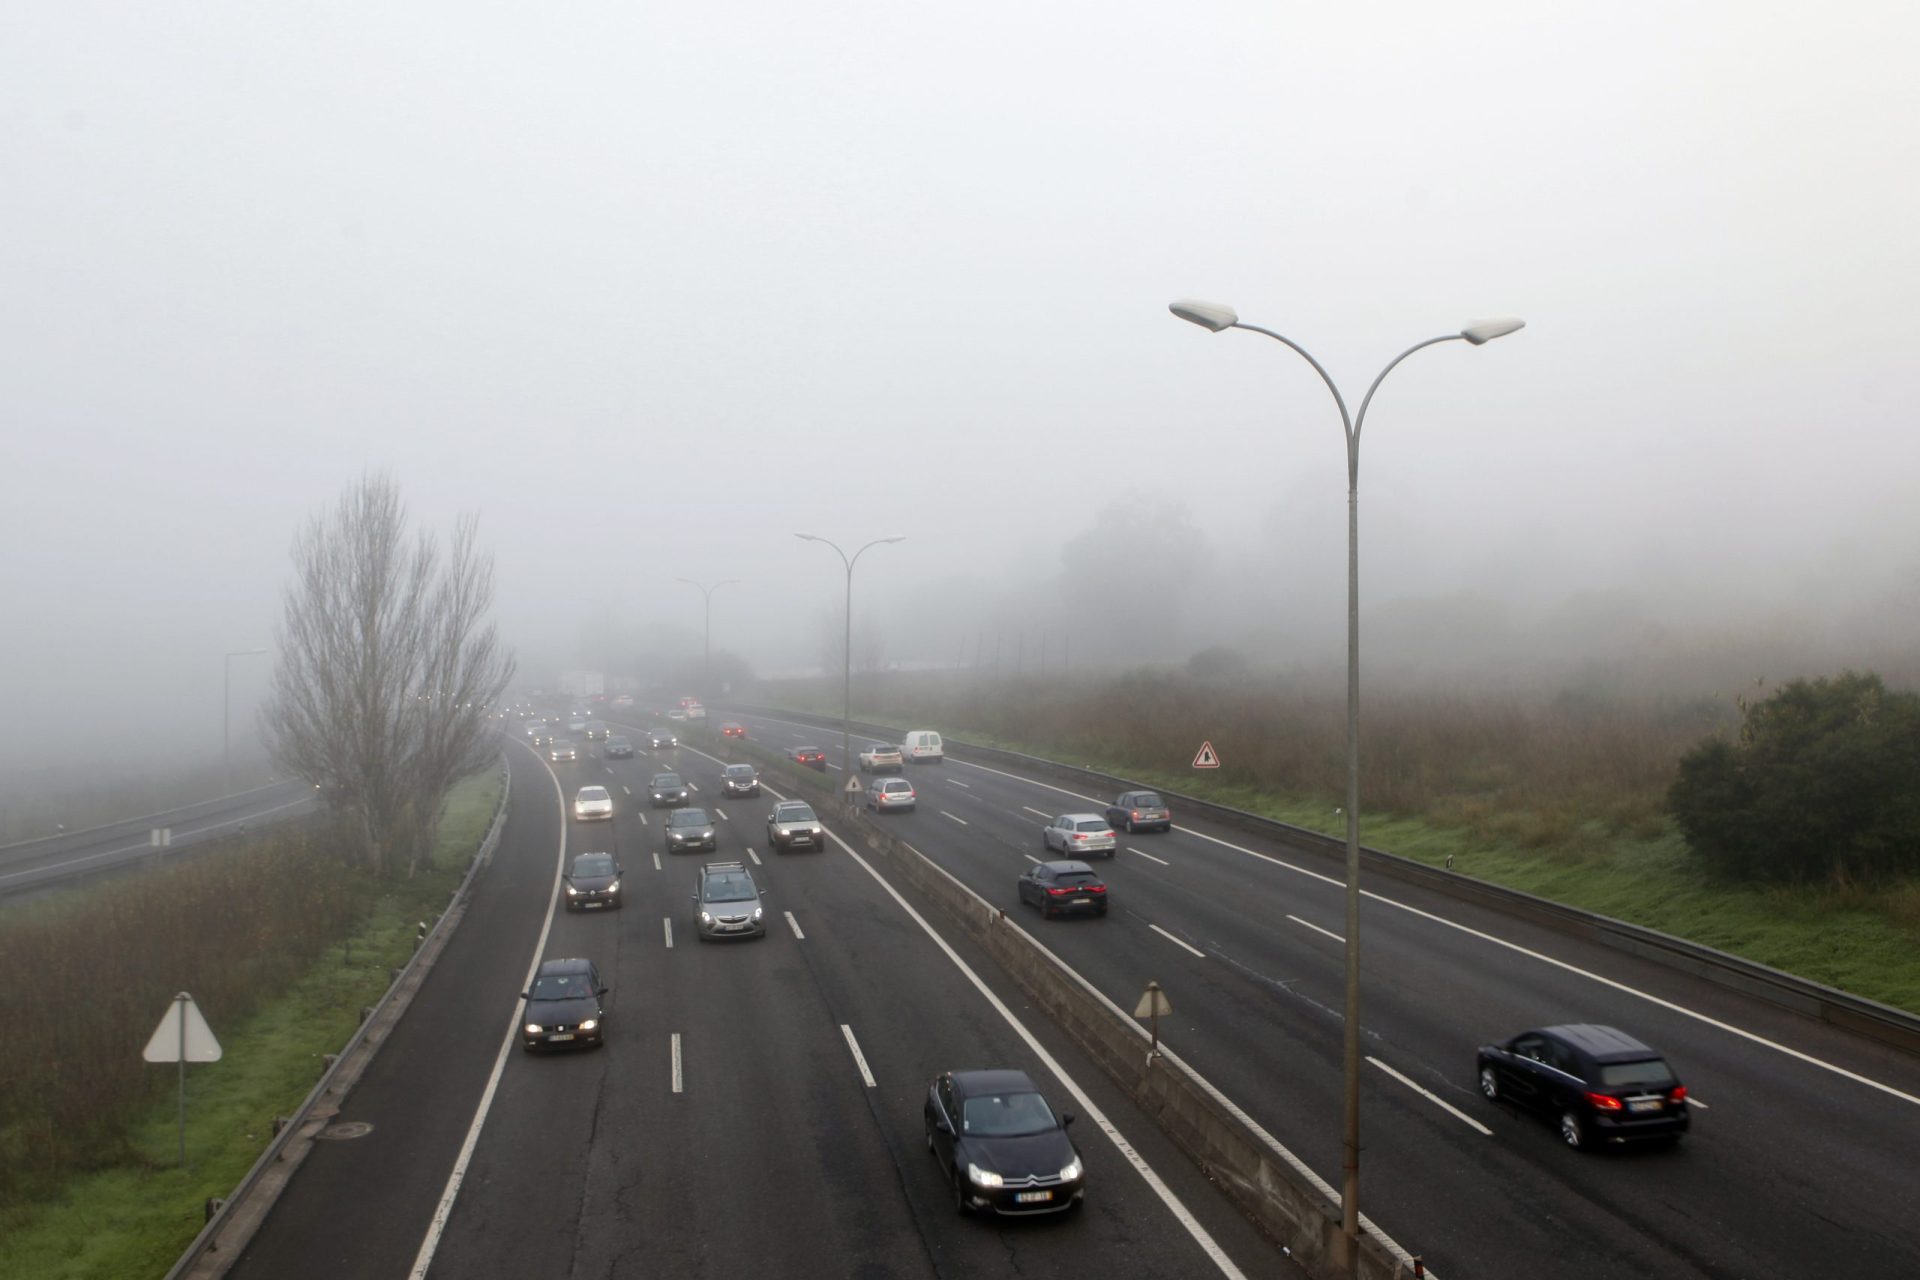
(444, 1210)
(859, 1059)
(1317, 929)
(964, 786)
(693, 786)
(666, 922)
(676, 1062)
(1037, 812)
(1695, 1102)
(945, 814)
(1149, 857)
(1030, 858)
(656, 859)
(755, 857)
(832, 765)
(794, 925)
(609, 769)
(722, 813)
(1434, 1098)
(1176, 942)
(643, 818)
(624, 787)
(1044, 786)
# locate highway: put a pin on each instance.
(756, 1109)
(1800, 1162)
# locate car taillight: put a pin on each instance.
(1079, 835)
(1060, 893)
(1602, 1102)
(1677, 1094)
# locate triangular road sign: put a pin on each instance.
(1207, 759)
(167, 1042)
(853, 785)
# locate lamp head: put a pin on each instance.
(1208, 315)
(1481, 332)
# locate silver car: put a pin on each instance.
(690, 829)
(562, 750)
(890, 795)
(593, 804)
(1080, 833)
(726, 903)
(794, 825)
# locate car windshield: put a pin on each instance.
(666, 780)
(1620, 1075)
(730, 886)
(1090, 824)
(562, 986)
(1006, 1115)
(739, 771)
(795, 813)
(688, 818)
(593, 864)
(592, 793)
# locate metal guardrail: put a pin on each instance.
(40, 846)
(210, 1234)
(1882, 1022)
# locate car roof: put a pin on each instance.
(969, 1084)
(1067, 864)
(791, 804)
(1601, 1043)
(1083, 817)
(730, 768)
(574, 964)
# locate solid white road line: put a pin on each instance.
(656, 859)
(755, 857)
(722, 813)
(676, 1062)
(1030, 858)
(1434, 1098)
(444, 1210)
(1317, 929)
(1037, 812)
(859, 1059)
(945, 814)
(1177, 942)
(794, 925)
(666, 922)
(1149, 857)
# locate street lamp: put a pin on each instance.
(846, 688)
(706, 662)
(226, 717)
(1215, 317)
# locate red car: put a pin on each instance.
(812, 757)
(733, 731)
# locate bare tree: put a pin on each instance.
(386, 670)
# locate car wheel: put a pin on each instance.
(960, 1204)
(1490, 1084)
(1128, 824)
(1571, 1131)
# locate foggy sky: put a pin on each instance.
(654, 287)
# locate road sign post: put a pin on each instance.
(1153, 1004)
(183, 1036)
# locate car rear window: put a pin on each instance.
(1621, 1075)
(1147, 800)
(1077, 877)
(1091, 824)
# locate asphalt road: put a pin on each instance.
(727, 1126)
(1800, 1161)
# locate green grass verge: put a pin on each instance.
(135, 1219)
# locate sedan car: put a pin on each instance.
(576, 723)
(881, 758)
(794, 825)
(890, 795)
(594, 881)
(542, 737)
(726, 903)
(812, 757)
(690, 830)
(617, 748)
(1597, 1083)
(1063, 888)
(740, 780)
(660, 738)
(562, 749)
(596, 731)
(1001, 1147)
(563, 1005)
(593, 804)
(1079, 833)
(667, 790)
(1139, 811)
(676, 714)
(733, 731)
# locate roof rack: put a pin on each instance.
(724, 866)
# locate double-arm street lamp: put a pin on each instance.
(846, 687)
(226, 717)
(1215, 317)
(706, 663)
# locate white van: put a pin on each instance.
(923, 745)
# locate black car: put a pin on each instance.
(1000, 1144)
(666, 789)
(740, 780)
(1598, 1084)
(812, 757)
(690, 830)
(617, 748)
(593, 882)
(1063, 888)
(659, 738)
(563, 1006)
(1139, 811)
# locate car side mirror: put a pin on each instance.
(526, 995)
(600, 991)
(940, 1123)
(1066, 1118)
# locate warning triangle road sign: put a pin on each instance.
(1207, 759)
(173, 1042)
(852, 787)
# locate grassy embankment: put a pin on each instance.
(281, 947)
(1564, 798)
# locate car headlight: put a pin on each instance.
(614, 887)
(572, 892)
(590, 1024)
(759, 912)
(1072, 1171)
(534, 1029)
(982, 1177)
(705, 918)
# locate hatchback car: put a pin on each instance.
(1139, 811)
(594, 881)
(596, 731)
(812, 757)
(617, 748)
(740, 780)
(891, 795)
(563, 1006)
(1001, 1147)
(562, 750)
(690, 830)
(658, 738)
(593, 804)
(726, 903)
(1063, 888)
(666, 790)
(1599, 1084)
(1079, 833)
(794, 825)
(733, 731)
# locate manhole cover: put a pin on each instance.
(344, 1130)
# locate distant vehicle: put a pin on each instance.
(563, 1006)
(881, 758)
(1079, 833)
(1063, 888)
(676, 714)
(562, 750)
(740, 780)
(794, 825)
(1599, 1084)
(534, 728)
(731, 730)
(1000, 1145)
(593, 882)
(659, 738)
(690, 830)
(618, 748)
(1139, 811)
(596, 731)
(726, 903)
(812, 757)
(577, 724)
(696, 712)
(667, 789)
(593, 804)
(922, 746)
(622, 702)
(543, 737)
(891, 795)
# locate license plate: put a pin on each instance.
(561, 1035)
(1644, 1104)
(1081, 902)
(1032, 1197)
(595, 904)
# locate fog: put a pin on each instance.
(653, 288)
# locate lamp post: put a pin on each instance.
(226, 717)
(706, 661)
(846, 687)
(1215, 317)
